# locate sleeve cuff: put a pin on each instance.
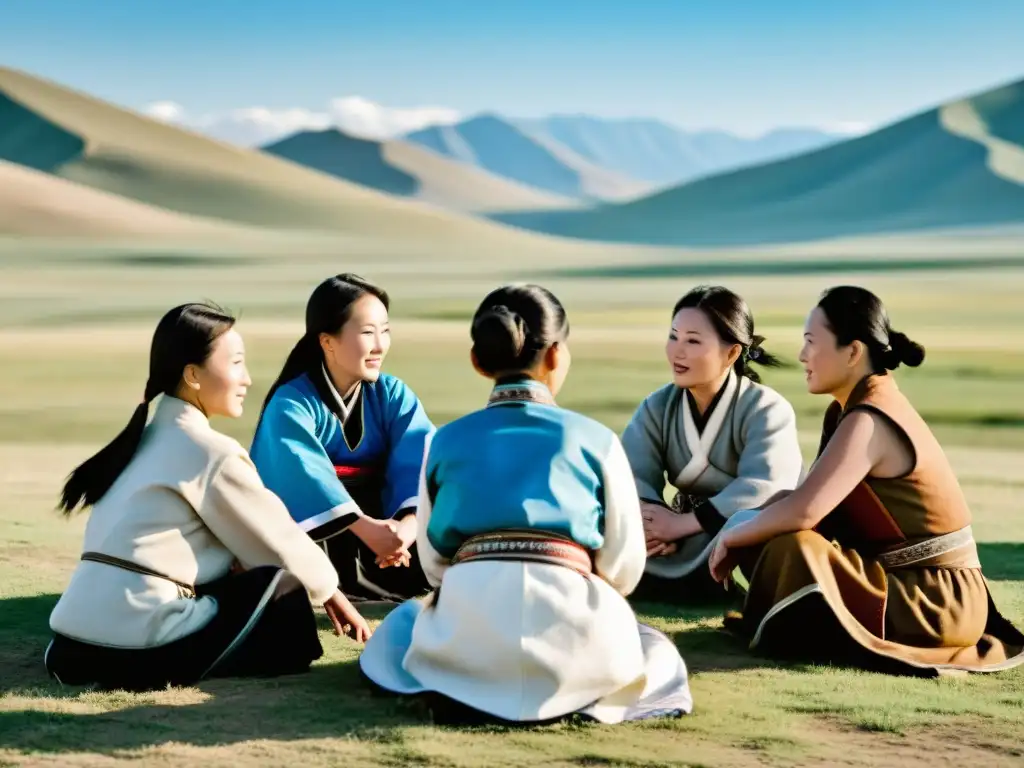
(710, 519)
(406, 508)
(649, 500)
(338, 520)
(403, 512)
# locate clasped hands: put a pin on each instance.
(389, 540)
(663, 528)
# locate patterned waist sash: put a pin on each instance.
(529, 546)
(951, 550)
(184, 590)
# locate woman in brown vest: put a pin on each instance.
(871, 561)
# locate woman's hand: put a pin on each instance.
(661, 549)
(381, 536)
(346, 619)
(407, 533)
(663, 527)
(722, 561)
(659, 522)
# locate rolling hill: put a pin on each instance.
(961, 164)
(33, 203)
(656, 152)
(404, 169)
(496, 145)
(73, 136)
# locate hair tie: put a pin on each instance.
(754, 351)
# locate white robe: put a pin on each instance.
(528, 641)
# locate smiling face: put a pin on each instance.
(828, 367)
(220, 384)
(698, 356)
(357, 351)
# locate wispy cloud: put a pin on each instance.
(254, 126)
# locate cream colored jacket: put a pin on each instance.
(188, 504)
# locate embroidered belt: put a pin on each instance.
(530, 546)
(951, 550)
(184, 590)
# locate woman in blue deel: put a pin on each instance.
(342, 443)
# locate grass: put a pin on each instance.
(74, 334)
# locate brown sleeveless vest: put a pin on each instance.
(928, 501)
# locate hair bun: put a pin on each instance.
(499, 338)
(903, 350)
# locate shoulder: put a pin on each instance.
(579, 429)
(296, 396)
(755, 400)
(659, 401)
(214, 447)
(587, 432)
(391, 388)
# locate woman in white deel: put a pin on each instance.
(530, 531)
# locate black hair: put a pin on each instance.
(328, 309)
(514, 325)
(184, 336)
(856, 314)
(733, 322)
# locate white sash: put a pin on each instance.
(699, 444)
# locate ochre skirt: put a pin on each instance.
(809, 598)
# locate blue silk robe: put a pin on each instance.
(300, 445)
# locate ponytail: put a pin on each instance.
(184, 336)
(93, 477)
(305, 357)
(755, 354)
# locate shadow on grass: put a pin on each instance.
(330, 701)
(705, 646)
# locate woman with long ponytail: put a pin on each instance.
(190, 568)
(342, 443)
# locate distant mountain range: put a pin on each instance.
(605, 159)
(74, 165)
(658, 153)
(957, 165)
(503, 148)
(407, 170)
(492, 163)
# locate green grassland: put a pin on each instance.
(75, 325)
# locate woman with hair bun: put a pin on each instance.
(874, 550)
(530, 533)
(725, 441)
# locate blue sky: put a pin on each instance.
(744, 65)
